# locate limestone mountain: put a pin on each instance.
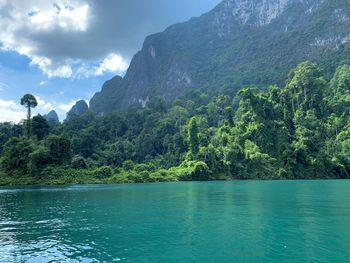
(52, 116)
(239, 43)
(78, 109)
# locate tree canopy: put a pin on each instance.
(298, 131)
(29, 101)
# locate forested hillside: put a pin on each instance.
(298, 131)
(235, 45)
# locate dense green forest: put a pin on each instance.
(300, 131)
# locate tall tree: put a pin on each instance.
(193, 136)
(40, 127)
(305, 88)
(29, 101)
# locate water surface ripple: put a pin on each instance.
(282, 221)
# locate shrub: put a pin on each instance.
(15, 156)
(163, 175)
(78, 162)
(193, 171)
(38, 160)
(136, 178)
(128, 165)
(103, 172)
(144, 167)
(52, 171)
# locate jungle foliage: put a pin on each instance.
(300, 131)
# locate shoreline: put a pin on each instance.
(27, 181)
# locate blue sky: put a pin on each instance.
(62, 51)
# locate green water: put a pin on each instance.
(292, 221)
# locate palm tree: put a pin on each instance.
(29, 101)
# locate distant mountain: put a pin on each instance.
(237, 44)
(52, 116)
(78, 109)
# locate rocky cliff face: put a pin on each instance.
(238, 43)
(259, 12)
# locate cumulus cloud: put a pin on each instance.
(52, 69)
(10, 111)
(113, 63)
(23, 23)
(70, 18)
(66, 107)
(70, 38)
(43, 105)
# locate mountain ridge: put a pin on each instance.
(237, 44)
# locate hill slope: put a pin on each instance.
(237, 44)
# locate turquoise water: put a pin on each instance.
(284, 221)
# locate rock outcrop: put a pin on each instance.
(239, 43)
(52, 117)
(80, 108)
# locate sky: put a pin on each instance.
(62, 51)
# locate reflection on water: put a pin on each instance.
(290, 221)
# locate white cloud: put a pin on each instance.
(2, 3)
(66, 17)
(67, 107)
(113, 63)
(51, 69)
(24, 23)
(10, 111)
(58, 37)
(43, 105)
(63, 36)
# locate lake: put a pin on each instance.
(240, 221)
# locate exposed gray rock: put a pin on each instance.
(237, 44)
(259, 12)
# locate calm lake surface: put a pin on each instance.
(284, 221)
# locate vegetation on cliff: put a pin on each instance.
(231, 47)
(300, 131)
